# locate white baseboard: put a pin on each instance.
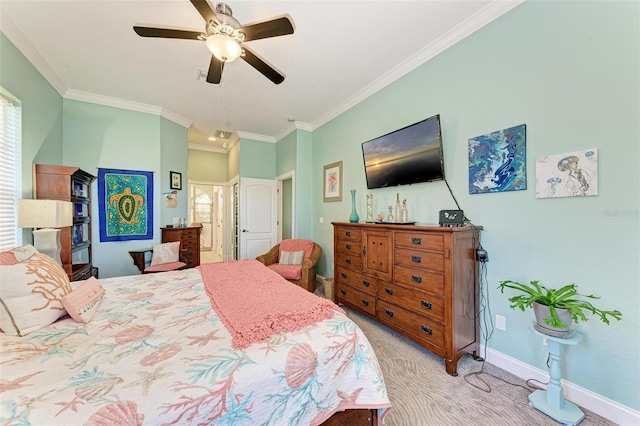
(592, 401)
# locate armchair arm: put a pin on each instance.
(269, 257)
(139, 258)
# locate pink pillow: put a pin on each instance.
(165, 253)
(296, 245)
(8, 258)
(81, 304)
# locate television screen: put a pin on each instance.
(409, 155)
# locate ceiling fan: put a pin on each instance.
(225, 38)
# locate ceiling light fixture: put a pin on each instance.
(223, 38)
(221, 135)
(211, 138)
(224, 47)
(224, 145)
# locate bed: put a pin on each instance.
(157, 353)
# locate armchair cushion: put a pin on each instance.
(291, 257)
(288, 272)
(293, 245)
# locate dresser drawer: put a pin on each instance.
(419, 327)
(419, 259)
(349, 261)
(349, 247)
(348, 233)
(419, 241)
(357, 299)
(420, 279)
(357, 280)
(418, 301)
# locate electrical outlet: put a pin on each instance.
(321, 219)
(501, 323)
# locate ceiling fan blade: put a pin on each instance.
(215, 70)
(272, 28)
(258, 63)
(205, 10)
(166, 33)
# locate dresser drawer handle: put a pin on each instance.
(347, 260)
(348, 246)
(389, 313)
(344, 292)
(416, 241)
(426, 330)
(388, 291)
(348, 233)
(416, 259)
(365, 302)
(425, 304)
(343, 275)
(366, 283)
(416, 279)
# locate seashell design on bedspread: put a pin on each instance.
(156, 353)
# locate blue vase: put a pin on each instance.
(354, 218)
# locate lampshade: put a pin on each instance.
(44, 214)
(223, 47)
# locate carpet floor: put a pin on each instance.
(423, 394)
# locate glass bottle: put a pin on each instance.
(398, 208)
(369, 208)
(404, 214)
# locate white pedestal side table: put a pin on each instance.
(551, 401)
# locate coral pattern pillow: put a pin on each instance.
(30, 294)
(17, 254)
(165, 253)
(82, 303)
(291, 257)
(296, 245)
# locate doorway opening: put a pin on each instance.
(207, 208)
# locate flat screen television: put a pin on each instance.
(409, 155)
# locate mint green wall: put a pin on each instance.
(207, 166)
(173, 157)
(257, 159)
(233, 161)
(107, 137)
(286, 151)
(41, 113)
(569, 71)
(304, 187)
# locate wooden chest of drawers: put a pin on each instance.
(419, 280)
(189, 238)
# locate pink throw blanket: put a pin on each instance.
(254, 302)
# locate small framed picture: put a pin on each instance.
(176, 180)
(332, 182)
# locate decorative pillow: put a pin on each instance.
(296, 245)
(82, 303)
(8, 258)
(291, 257)
(165, 253)
(30, 294)
(17, 254)
(288, 272)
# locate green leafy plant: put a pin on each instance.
(566, 297)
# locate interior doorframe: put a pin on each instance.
(279, 179)
(231, 217)
(225, 219)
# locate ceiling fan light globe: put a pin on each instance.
(224, 48)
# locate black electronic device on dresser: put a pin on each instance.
(421, 281)
(452, 218)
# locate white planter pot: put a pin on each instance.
(542, 312)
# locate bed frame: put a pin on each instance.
(353, 418)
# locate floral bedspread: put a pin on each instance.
(156, 353)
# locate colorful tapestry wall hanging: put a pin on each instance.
(125, 199)
(497, 161)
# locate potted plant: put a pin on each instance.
(555, 308)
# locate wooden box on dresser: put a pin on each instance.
(421, 281)
(70, 184)
(189, 238)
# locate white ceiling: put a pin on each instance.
(340, 53)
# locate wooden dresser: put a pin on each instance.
(421, 281)
(189, 238)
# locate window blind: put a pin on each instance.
(10, 172)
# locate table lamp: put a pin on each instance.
(45, 215)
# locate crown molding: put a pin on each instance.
(93, 98)
(255, 137)
(472, 24)
(201, 147)
(13, 33)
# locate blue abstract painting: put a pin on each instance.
(497, 161)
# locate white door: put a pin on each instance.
(258, 216)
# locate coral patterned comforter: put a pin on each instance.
(156, 353)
